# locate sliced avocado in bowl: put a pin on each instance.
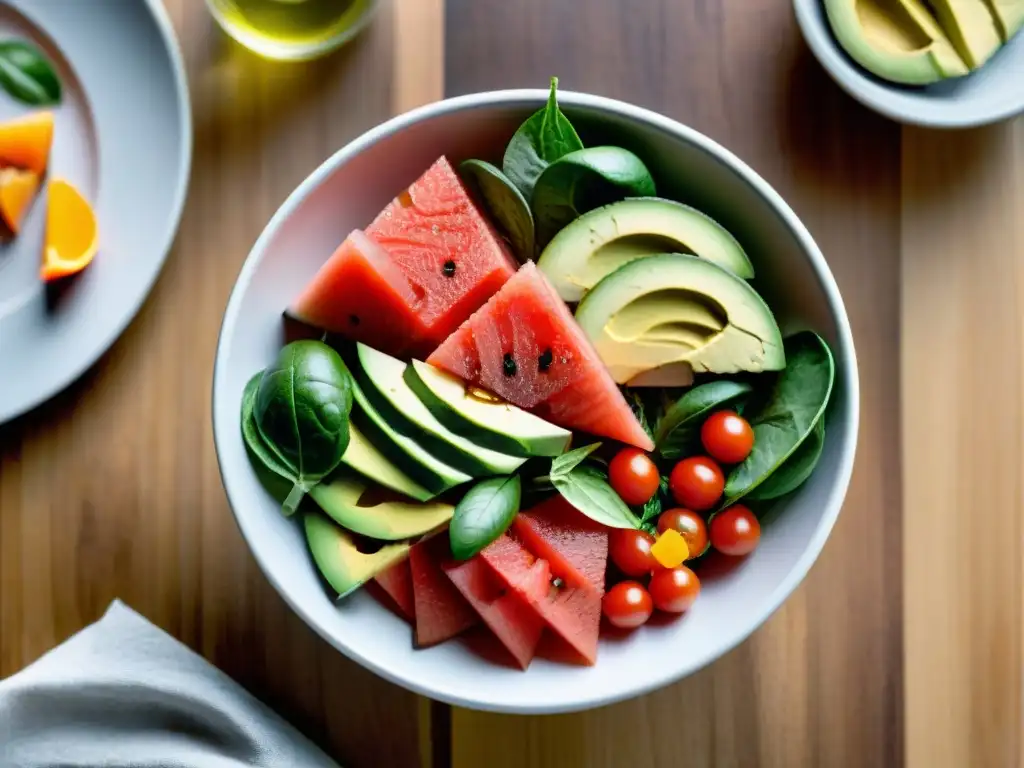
(482, 417)
(382, 379)
(674, 308)
(338, 558)
(1009, 15)
(408, 455)
(364, 508)
(897, 40)
(602, 240)
(363, 457)
(971, 27)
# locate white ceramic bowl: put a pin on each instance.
(994, 92)
(346, 192)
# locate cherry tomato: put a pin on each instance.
(735, 531)
(633, 476)
(630, 550)
(688, 523)
(627, 605)
(697, 483)
(727, 437)
(674, 590)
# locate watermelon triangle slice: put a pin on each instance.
(397, 582)
(574, 613)
(441, 610)
(525, 346)
(574, 545)
(360, 294)
(516, 625)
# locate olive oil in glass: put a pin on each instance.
(292, 29)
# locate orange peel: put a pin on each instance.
(72, 236)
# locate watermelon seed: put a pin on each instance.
(354, 319)
(449, 268)
(509, 365)
(557, 583)
(545, 360)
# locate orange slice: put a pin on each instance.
(25, 141)
(71, 233)
(17, 191)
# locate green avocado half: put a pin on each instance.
(366, 459)
(340, 562)
(602, 240)
(673, 308)
(366, 509)
(897, 40)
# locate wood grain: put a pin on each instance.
(963, 422)
(820, 683)
(112, 489)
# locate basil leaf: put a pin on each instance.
(797, 401)
(505, 203)
(545, 136)
(796, 469)
(254, 440)
(27, 75)
(591, 494)
(679, 429)
(301, 411)
(584, 180)
(485, 512)
(564, 464)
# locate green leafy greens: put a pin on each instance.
(546, 136)
(678, 431)
(505, 203)
(586, 487)
(300, 411)
(485, 512)
(28, 75)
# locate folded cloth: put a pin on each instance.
(122, 693)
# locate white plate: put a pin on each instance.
(123, 136)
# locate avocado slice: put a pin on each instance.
(408, 455)
(897, 40)
(482, 417)
(602, 240)
(677, 308)
(1009, 16)
(340, 562)
(382, 380)
(361, 507)
(971, 27)
(362, 456)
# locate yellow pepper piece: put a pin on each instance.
(670, 549)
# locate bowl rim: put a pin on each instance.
(829, 55)
(584, 698)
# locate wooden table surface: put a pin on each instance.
(903, 646)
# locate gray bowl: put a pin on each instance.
(994, 92)
(346, 192)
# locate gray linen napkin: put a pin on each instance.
(122, 693)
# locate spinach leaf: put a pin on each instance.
(584, 180)
(301, 411)
(545, 136)
(505, 203)
(27, 75)
(254, 440)
(678, 430)
(485, 512)
(586, 488)
(564, 464)
(797, 401)
(794, 470)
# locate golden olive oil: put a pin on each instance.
(292, 29)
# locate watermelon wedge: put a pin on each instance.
(441, 610)
(397, 582)
(525, 346)
(575, 546)
(361, 294)
(516, 625)
(448, 251)
(574, 613)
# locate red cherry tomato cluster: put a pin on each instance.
(697, 484)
